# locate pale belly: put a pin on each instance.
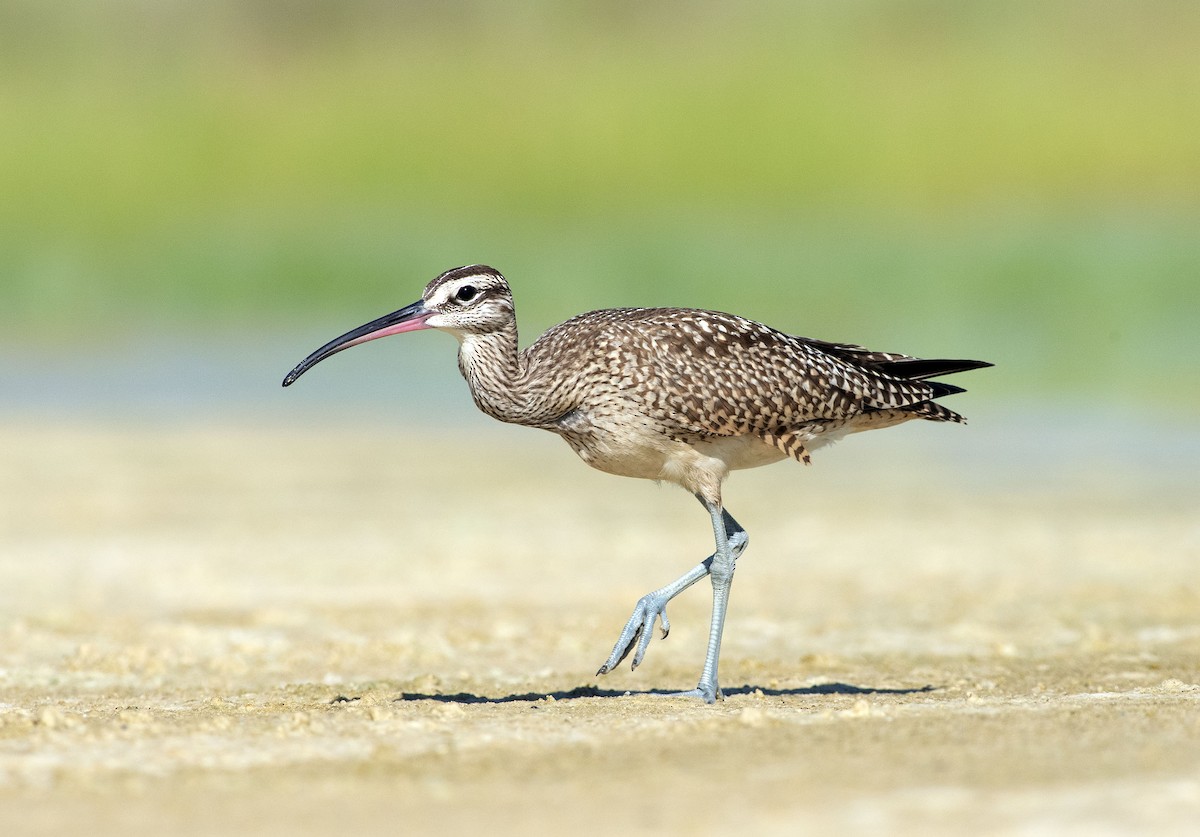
(643, 452)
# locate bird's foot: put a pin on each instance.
(638, 630)
(708, 692)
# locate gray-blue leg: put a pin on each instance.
(731, 540)
(724, 562)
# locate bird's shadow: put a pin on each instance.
(594, 691)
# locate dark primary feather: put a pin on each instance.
(895, 364)
(902, 367)
(918, 369)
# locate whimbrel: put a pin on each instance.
(672, 394)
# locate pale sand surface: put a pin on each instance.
(344, 628)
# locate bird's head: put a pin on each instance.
(469, 300)
(464, 301)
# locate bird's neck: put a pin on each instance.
(493, 369)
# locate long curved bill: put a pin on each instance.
(410, 318)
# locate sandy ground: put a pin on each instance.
(336, 629)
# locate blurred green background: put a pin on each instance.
(1014, 181)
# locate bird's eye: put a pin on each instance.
(466, 293)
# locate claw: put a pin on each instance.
(635, 637)
(648, 610)
(614, 659)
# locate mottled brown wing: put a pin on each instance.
(701, 373)
(724, 375)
